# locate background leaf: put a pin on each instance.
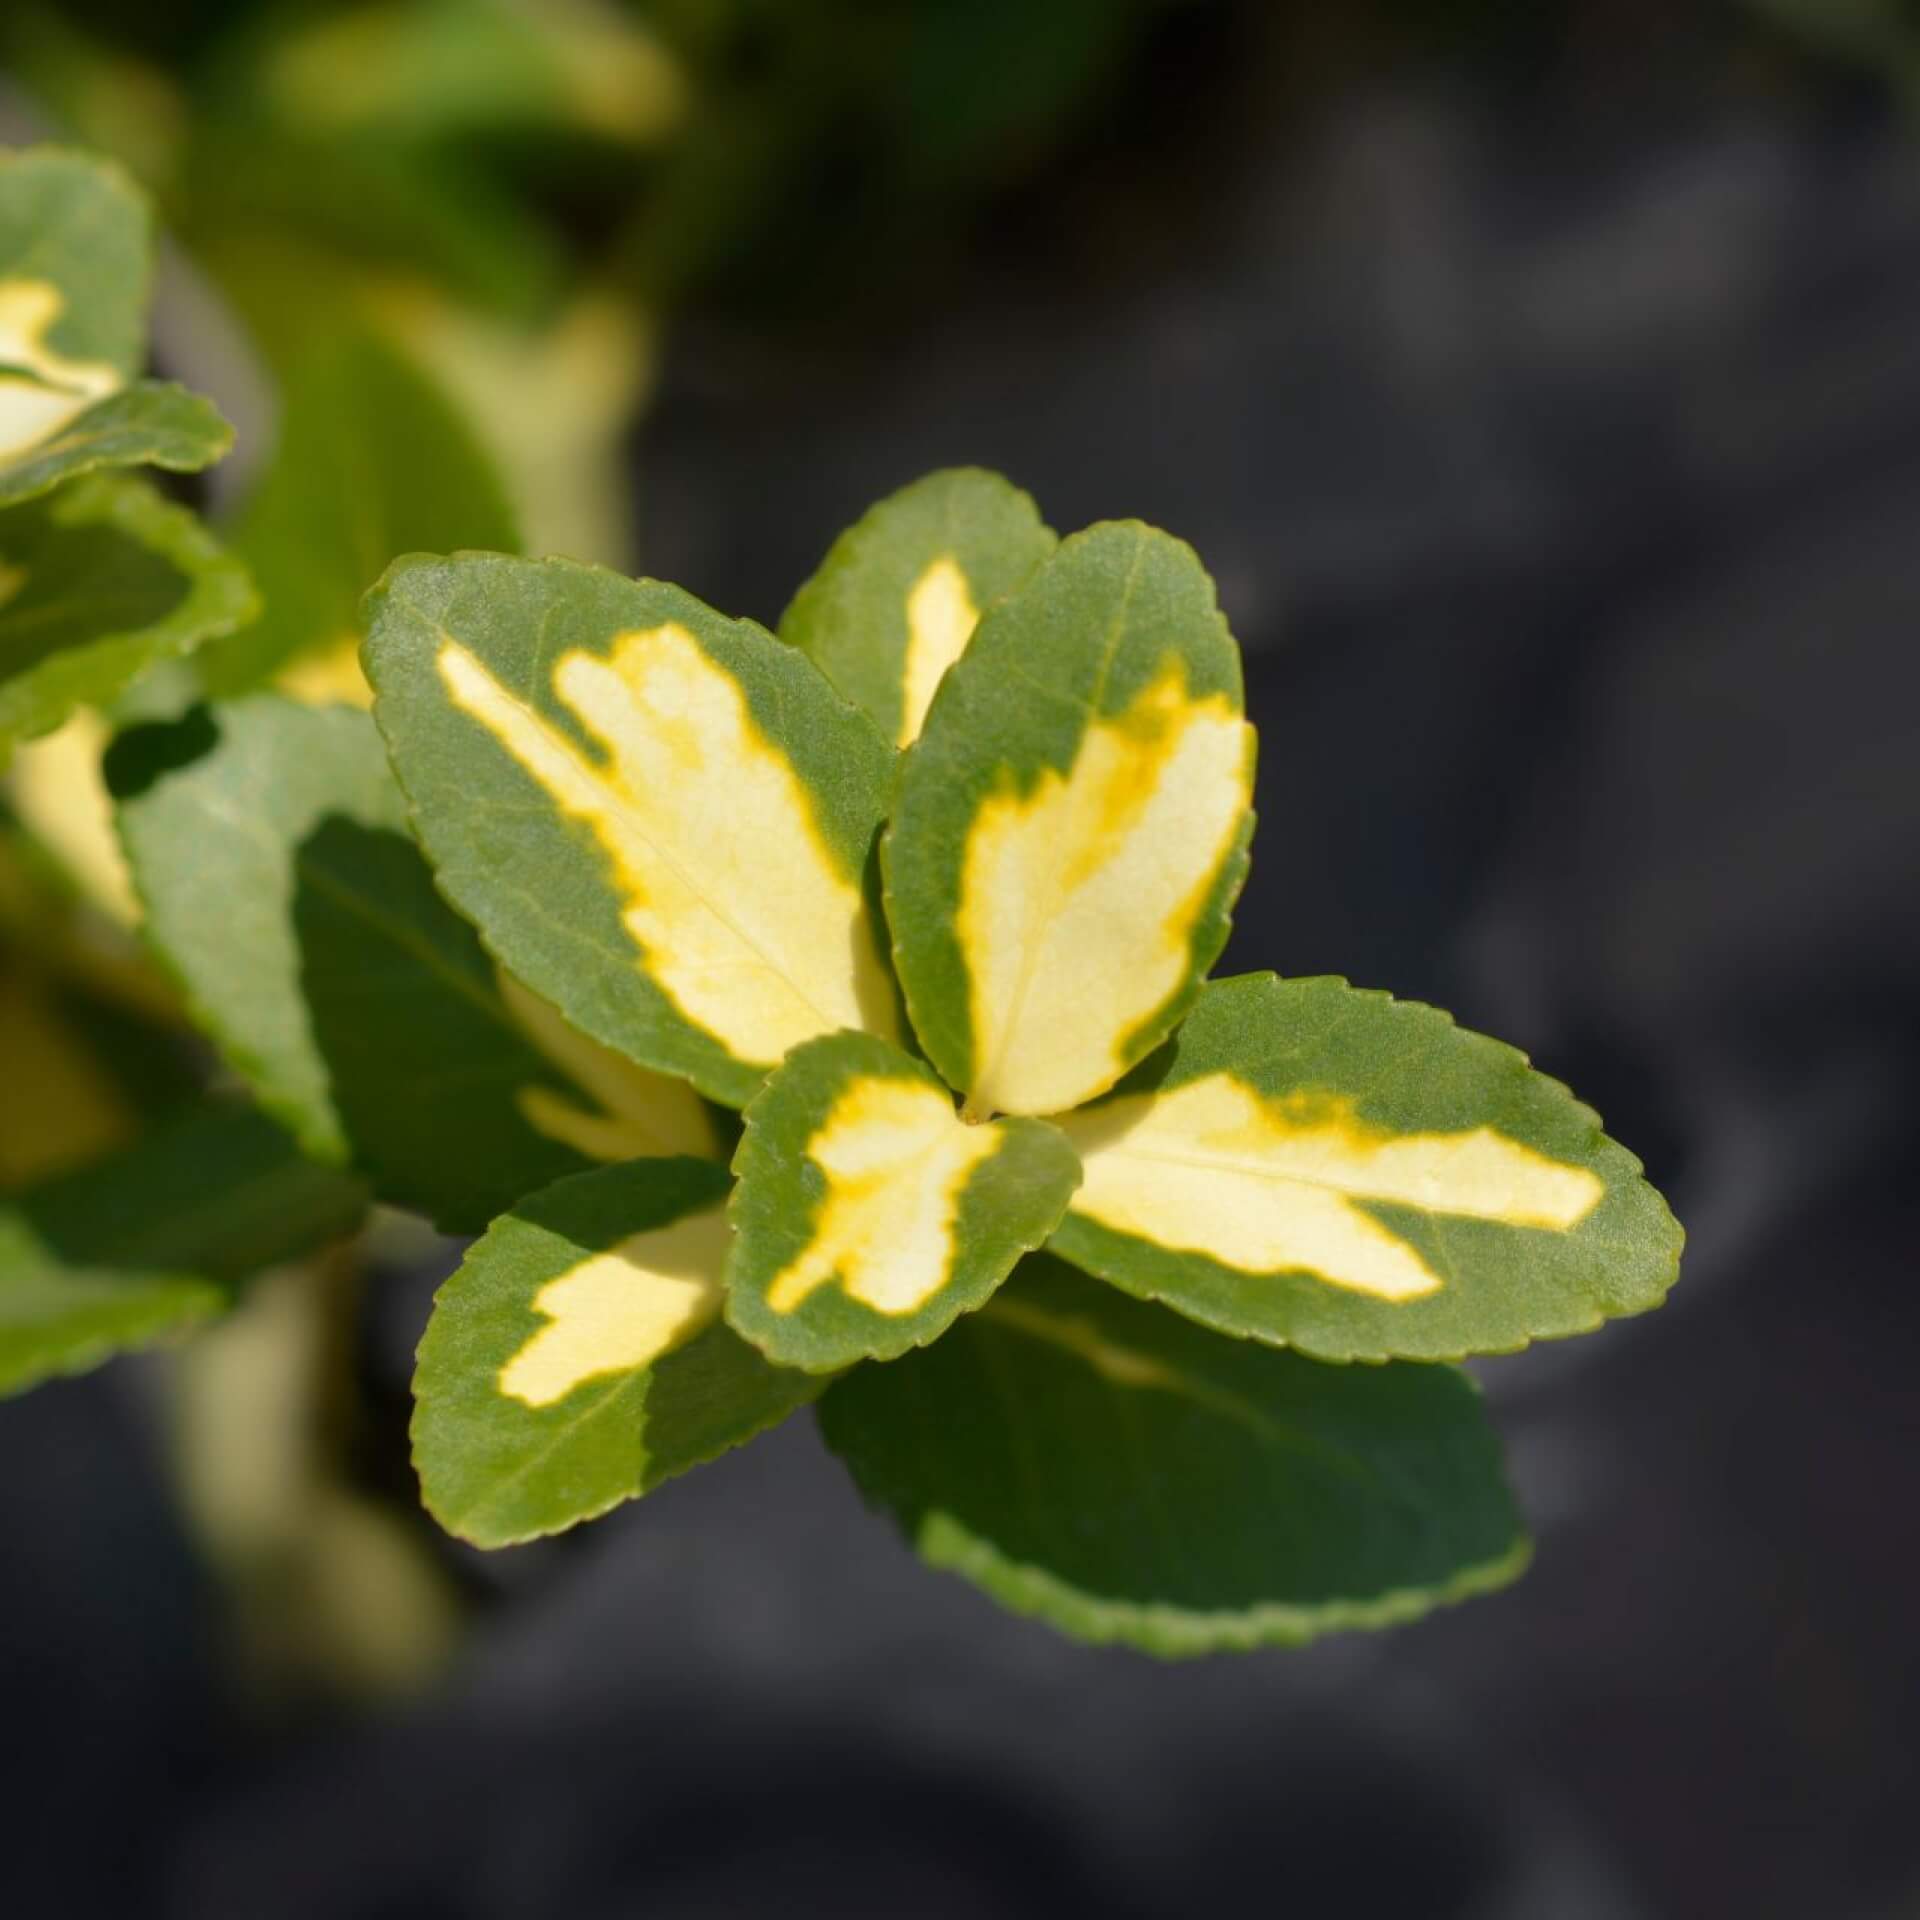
(577, 1357)
(75, 263)
(697, 901)
(896, 600)
(282, 888)
(1125, 1475)
(152, 423)
(372, 462)
(1070, 828)
(868, 1215)
(151, 1241)
(76, 223)
(98, 583)
(1300, 1128)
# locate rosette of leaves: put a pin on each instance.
(1073, 1247)
(100, 577)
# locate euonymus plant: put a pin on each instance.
(824, 1017)
(105, 585)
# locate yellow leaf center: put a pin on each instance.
(743, 917)
(941, 618)
(1078, 899)
(896, 1160)
(622, 1310)
(1270, 1186)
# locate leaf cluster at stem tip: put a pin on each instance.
(820, 1016)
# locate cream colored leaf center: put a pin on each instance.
(1078, 899)
(896, 1160)
(40, 388)
(743, 917)
(941, 618)
(622, 1310)
(1269, 1186)
(634, 1113)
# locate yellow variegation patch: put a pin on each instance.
(941, 618)
(641, 1114)
(896, 1160)
(1269, 1186)
(327, 676)
(12, 579)
(622, 1310)
(1078, 899)
(743, 917)
(40, 388)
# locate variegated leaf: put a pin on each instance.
(578, 1358)
(282, 888)
(99, 582)
(74, 269)
(1128, 1476)
(869, 1214)
(659, 818)
(1070, 829)
(1355, 1176)
(899, 594)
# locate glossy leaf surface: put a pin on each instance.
(868, 1215)
(578, 1357)
(1355, 1176)
(661, 819)
(1125, 1475)
(1070, 828)
(897, 598)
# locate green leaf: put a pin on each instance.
(897, 598)
(84, 1068)
(427, 71)
(661, 819)
(151, 1241)
(1357, 1177)
(56, 1319)
(868, 1214)
(152, 423)
(578, 1359)
(98, 583)
(281, 887)
(75, 262)
(372, 462)
(1127, 1476)
(1071, 826)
